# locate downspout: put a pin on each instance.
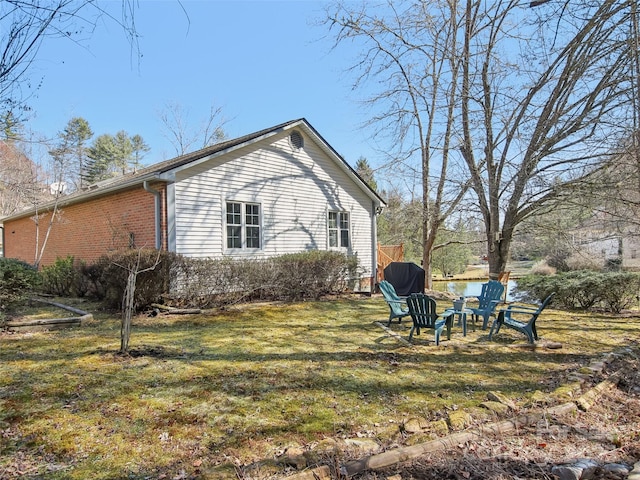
(158, 223)
(2, 239)
(374, 246)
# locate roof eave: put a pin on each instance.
(166, 173)
(64, 201)
(171, 171)
(329, 150)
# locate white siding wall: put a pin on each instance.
(294, 188)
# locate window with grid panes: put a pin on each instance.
(252, 225)
(243, 225)
(338, 227)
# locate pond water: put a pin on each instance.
(468, 289)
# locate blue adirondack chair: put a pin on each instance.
(422, 309)
(526, 321)
(397, 305)
(489, 298)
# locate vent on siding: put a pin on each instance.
(296, 140)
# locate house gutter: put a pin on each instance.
(65, 201)
(376, 210)
(158, 225)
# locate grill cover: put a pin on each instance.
(406, 277)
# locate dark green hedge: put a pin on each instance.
(60, 278)
(17, 281)
(584, 289)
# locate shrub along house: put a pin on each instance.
(277, 191)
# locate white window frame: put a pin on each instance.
(244, 226)
(338, 230)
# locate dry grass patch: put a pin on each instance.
(36, 310)
(202, 395)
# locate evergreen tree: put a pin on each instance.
(70, 154)
(366, 172)
(11, 127)
(112, 155)
(123, 147)
(139, 149)
(101, 155)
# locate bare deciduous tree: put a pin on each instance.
(411, 49)
(528, 100)
(183, 136)
(539, 119)
(17, 179)
(128, 299)
(25, 183)
(25, 24)
(40, 187)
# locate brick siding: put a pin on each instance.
(90, 229)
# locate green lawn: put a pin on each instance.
(201, 394)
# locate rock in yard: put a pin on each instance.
(327, 446)
(589, 468)
(540, 398)
(459, 420)
(439, 427)
(584, 469)
(635, 473)
(415, 425)
(564, 472)
(496, 407)
(366, 445)
(499, 397)
(616, 468)
(295, 457)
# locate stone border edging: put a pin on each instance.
(391, 457)
(402, 454)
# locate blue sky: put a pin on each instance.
(264, 62)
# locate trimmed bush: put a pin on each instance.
(109, 276)
(217, 282)
(621, 290)
(17, 280)
(584, 289)
(59, 278)
(313, 274)
(91, 279)
(299, 276)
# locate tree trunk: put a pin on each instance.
(428, 239)
(499, 246)
(428, 276)
(127, 310)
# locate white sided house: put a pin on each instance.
(277, 191)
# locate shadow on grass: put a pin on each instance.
(241, 381)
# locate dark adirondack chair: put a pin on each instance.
(526, 321)
(422, 309)
(397, 305)
(489, 298)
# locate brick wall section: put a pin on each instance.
(90, 229)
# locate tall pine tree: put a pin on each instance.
(70, 153)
